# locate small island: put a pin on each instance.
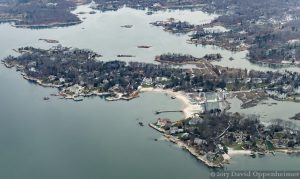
(51, 41)
(173, 58)
(175, 27)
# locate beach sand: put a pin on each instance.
(232, 152)
(188, 109)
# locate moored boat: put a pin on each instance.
(78, 99)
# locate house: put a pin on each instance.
(175, 130)
(194, 121)
(199, 141)
(62, 80)
(164, 123)
(210, 156)
(185, 136)
(32, 69)
(220, 149)
(147, 81)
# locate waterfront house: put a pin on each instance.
(195, 121)
(164, 123)
(147, 81)
(185, 136)
(175, 130)
(199, 141)
(210, 156)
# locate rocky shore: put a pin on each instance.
(184, 146)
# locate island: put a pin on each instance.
(51, 41)
(39, 14)
(173, 58)
(269, 31)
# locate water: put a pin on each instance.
(102, 33)
(268, 111)
(89, 139)
(94, 138)
(269, 162)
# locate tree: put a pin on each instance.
(225, 149)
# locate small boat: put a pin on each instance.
(261, 153)
(272, 152)
(252, 154)
(81, 12)
(149, 13)
(127, 26)
(173, 97)
(46, 98)
(155, 139)
(125, 56)
(143, 46)
(141, 124)
(78, 99)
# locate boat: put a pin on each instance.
(272, 152)
(261, 153)
(141, 124)
(127, 26)
(173, 97)
(125, 56)
(252, 154)
(78, 99)
(144, 46)
(149, 13)
(46, 98)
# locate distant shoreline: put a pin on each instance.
(50, 25)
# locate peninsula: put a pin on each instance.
(207, 132)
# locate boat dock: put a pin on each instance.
(167, 111)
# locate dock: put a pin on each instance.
(167, 111)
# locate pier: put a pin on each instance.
(167, 111)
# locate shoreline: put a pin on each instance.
(188, 109)
(184, 146)
(50, 25)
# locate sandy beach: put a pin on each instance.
(188, 109)
(232, 152)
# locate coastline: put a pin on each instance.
(184, 146)
(50, 25)
(188, 109)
